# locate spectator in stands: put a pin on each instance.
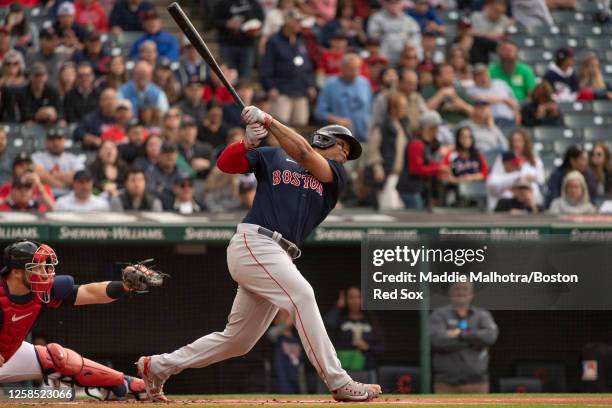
(126, 15)
(346, 23)
(394, 28)
(331, 58)
(116, 74)
(505, 172)
(574, 197)
(532, 167)
(213, 129)
(429, 49)
(591, 80)
(504, 106)
(239, 24)
(575, 158)
(459, 60)
(184, 201)
(522, 201)
(91, 126)
(162, 176)
(517, 75)
(23, 169)
(21, 197)
(24, 35)
(91, 15)
(450, 100)
(5, 41)
(83, 98)
(135, 146)
(461, 335)
(541, 110)
(231, 111)
(152, 149)
(491, 22)
(355, 333)
(147, 51)
(416, 178)
(195, 154)
(67, 78)
(164, 78)
(601, 167)
(562, 76)
(286, 72)
(141, 91)
(273, 22)
(6, 160)
(171, 123)
(117, 131)
(386, 148)
(81, 198)
(215, 90)
(287, 371)
(55, 166)
(409, 59)
(478, 48)
(424, 14)
(531, 13)
(134, 196)
(150, 118)
(466, 163)
(93, 53)
(39, 100)
(489, 138)
(13, 70)
(167, 44)
(191, 65)
(71, 34)
(346, 100)
(47, 53)
(108, 170)
(191, 104)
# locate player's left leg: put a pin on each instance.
(22, 366)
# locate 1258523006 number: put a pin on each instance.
(37, 394)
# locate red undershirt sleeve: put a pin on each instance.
(233, 159)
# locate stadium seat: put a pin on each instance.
(587, 6)
(602, 107)
(399, 379)
(551, 375)
(584, 30)
(543, 30)
(551, 133)
(575, 107)
(519, 385)
(582, 120)
(595, 134)
(535, 55)
(560, 42)
(563, 17)
(476, 191)
(560, 146)
(527, 41)
(599, 44)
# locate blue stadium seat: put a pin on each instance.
(519, 385)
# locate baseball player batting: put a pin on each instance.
(27, 284)
(298, 185)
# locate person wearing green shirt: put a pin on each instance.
(519, 76)
(449, 99)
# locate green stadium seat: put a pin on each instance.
(519, 385)
(602, 107)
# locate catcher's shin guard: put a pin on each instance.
(81, 371)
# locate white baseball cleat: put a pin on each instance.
(154, 386)
(356, 391)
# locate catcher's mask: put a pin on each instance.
(326, 137)
(37, 260)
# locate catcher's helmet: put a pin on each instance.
(18, 254)
(326, 137)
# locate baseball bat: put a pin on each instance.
(196, 40)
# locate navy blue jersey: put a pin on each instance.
(289, 199)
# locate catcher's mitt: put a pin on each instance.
(139, 276)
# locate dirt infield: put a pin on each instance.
(305, 401)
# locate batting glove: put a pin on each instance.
(252, 114)
(255, 132)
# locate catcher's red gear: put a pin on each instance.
(83, 372)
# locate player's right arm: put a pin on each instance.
(293, 143)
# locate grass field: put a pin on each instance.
(312, 401)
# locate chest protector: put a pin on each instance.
(16, 323)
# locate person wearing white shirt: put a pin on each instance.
(82, 199)
(504, 106)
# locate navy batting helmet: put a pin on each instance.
(326, 137)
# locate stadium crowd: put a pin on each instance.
(102, 109)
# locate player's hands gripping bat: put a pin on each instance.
(139, 277)
(252, 114)
(255, 133)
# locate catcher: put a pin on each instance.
(27, 284)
